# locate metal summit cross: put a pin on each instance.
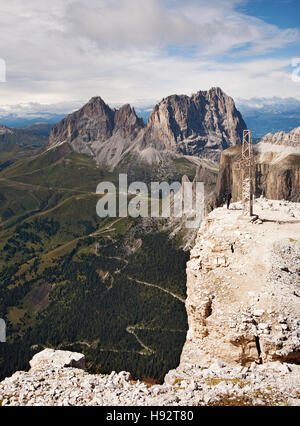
(245, 163)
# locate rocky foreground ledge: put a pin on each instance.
(53, 380)
(243, 298)
(243, 343)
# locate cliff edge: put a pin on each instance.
(243, 343)
(277, 168)
(243, 299)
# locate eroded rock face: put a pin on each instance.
(243, 300)
(191, 125)
(277, 169)
(203, 124)
(291, 139)
(94, 124)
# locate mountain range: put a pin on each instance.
(270, 115)
(262, 115)
(202, 125)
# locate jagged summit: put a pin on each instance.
(98, 130)
(200, 125)
(291, 139)
(191, 125)
(127, 121)
(96, 99)
(4, 130)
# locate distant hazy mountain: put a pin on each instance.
(38, 129)
(262, 115)
(270, 115)
(22, 142)
(291, 140)
(16, 120)
(16, 144)
(144, 113)
(33, 136)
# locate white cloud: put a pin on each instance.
(60, 51)
(284, 104)
(211, 27)
(36, 109)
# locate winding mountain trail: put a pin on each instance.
(89, 345)
(62, 247)
(106, 228)
(131, 330)
(37, 212)
(158, 287)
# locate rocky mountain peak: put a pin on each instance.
(250, 305)
(201, 125)
(95, 122)
(126, 120)
(215, 92)
(96, 105)
(291, 139)
(190, 125)
(4, 130)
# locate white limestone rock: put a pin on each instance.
(58, 359)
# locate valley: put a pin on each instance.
(72, 280)
(112, 288)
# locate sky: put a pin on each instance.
(60, 53)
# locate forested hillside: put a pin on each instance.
(111, 288)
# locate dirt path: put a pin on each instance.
(36, 212)
(106, 228)
(131, 330)
(158, 287)
(62, 247)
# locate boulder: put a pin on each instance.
(58, 359)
